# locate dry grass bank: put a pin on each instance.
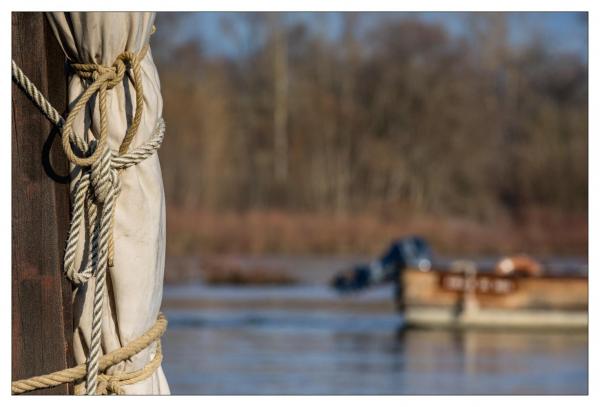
(541, 232)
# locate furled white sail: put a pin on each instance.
(135, 282)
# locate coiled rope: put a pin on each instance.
(108, 383)
(98, 186)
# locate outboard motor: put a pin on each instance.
(410, 252)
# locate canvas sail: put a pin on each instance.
(135, 282)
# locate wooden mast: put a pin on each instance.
(41, 296)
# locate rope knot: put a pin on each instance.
(113, 383)
(103, 79)
(95, 193)
(109, 384)
(110, 75)
(103, 177)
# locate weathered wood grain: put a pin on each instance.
(41, 296)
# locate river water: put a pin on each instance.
(251, 340)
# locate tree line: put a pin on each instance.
(397, 116)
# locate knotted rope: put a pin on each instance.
(87, 190)
(98, 186)
(108, 383)
(113, 384)
(103, 79)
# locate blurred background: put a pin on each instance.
(302, 143)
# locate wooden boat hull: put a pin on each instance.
(450, 299)
(495, 318)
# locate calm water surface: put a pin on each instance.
(295, 351)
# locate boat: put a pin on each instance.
(512, 292)
(471, 296)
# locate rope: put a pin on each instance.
(98, 186)
(113, 384)
(37, 97)
(105, 78)
(83, 199)
(109, 383)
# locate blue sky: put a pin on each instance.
(564, 32)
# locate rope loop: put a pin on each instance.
(112, 75)
(104, 185)
(95, 193)
(107, 383)
(113, 383)
(94, 188)
(103, 79)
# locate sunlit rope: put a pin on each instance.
(98, 186)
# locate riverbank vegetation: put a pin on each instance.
(301, 141)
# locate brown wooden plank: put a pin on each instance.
(424, 289)
(41, 304)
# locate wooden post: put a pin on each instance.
(41, 296)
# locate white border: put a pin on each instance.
(305, 5)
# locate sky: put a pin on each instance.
(565, 32)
